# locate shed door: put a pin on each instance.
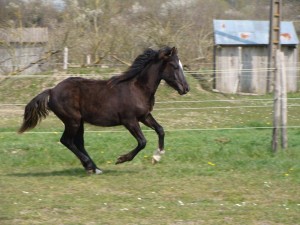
(253, 72)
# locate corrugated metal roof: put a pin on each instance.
(246, 32)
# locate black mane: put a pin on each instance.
(136, 68)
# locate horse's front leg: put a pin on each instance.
(135, 130)
(152, 123)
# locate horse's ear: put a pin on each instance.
(166, 53)
(162, 54)
(173, 51)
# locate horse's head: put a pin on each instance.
(172, 71)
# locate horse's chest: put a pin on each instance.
(138, 109)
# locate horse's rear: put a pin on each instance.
(92, 101)
(35, 111)
(75, 101)
(65, 99)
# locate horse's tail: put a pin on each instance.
(35, 111)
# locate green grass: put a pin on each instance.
(196, 182)
(214, 176)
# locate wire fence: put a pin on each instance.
(175, 106)
(166, 130)
(198, 74)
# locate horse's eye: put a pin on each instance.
(175, 66)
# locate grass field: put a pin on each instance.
(209, 176)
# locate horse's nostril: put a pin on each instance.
(186, 88)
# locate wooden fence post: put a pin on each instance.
(65, 66)
(280, 103)
(274, 59)
(88, 59)
(277, 108)
(239, 73)
(283, 99)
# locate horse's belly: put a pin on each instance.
(103, 121)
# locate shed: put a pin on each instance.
(20, 48)
(241, 55)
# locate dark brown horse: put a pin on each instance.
(122, 100)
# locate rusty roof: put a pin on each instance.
(24, 35)
(249, 32)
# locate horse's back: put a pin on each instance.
(86, 99)
(67, 96)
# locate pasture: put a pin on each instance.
(218, 167)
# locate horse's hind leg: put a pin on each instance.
(79, 142)
(68, 140)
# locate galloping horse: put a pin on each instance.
(126, 100)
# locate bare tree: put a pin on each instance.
(109, 29)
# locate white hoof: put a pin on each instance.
(156, 159)
(97, 171)
(157, 156)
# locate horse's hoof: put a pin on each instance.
(154, 161)
(92, 171)
(98, 171)
(157, 156)
(121, 159)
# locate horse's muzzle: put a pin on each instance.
(184, 89)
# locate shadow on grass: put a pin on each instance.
(72, 172)
(66, 172)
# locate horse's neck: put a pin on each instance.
(150, 79)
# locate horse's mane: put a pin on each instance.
(136, 68)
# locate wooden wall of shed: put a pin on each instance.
(291, 59)
(226, 69)
(16, 56)
(253, 77)
(244, 69)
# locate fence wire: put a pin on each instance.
(162, 106)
